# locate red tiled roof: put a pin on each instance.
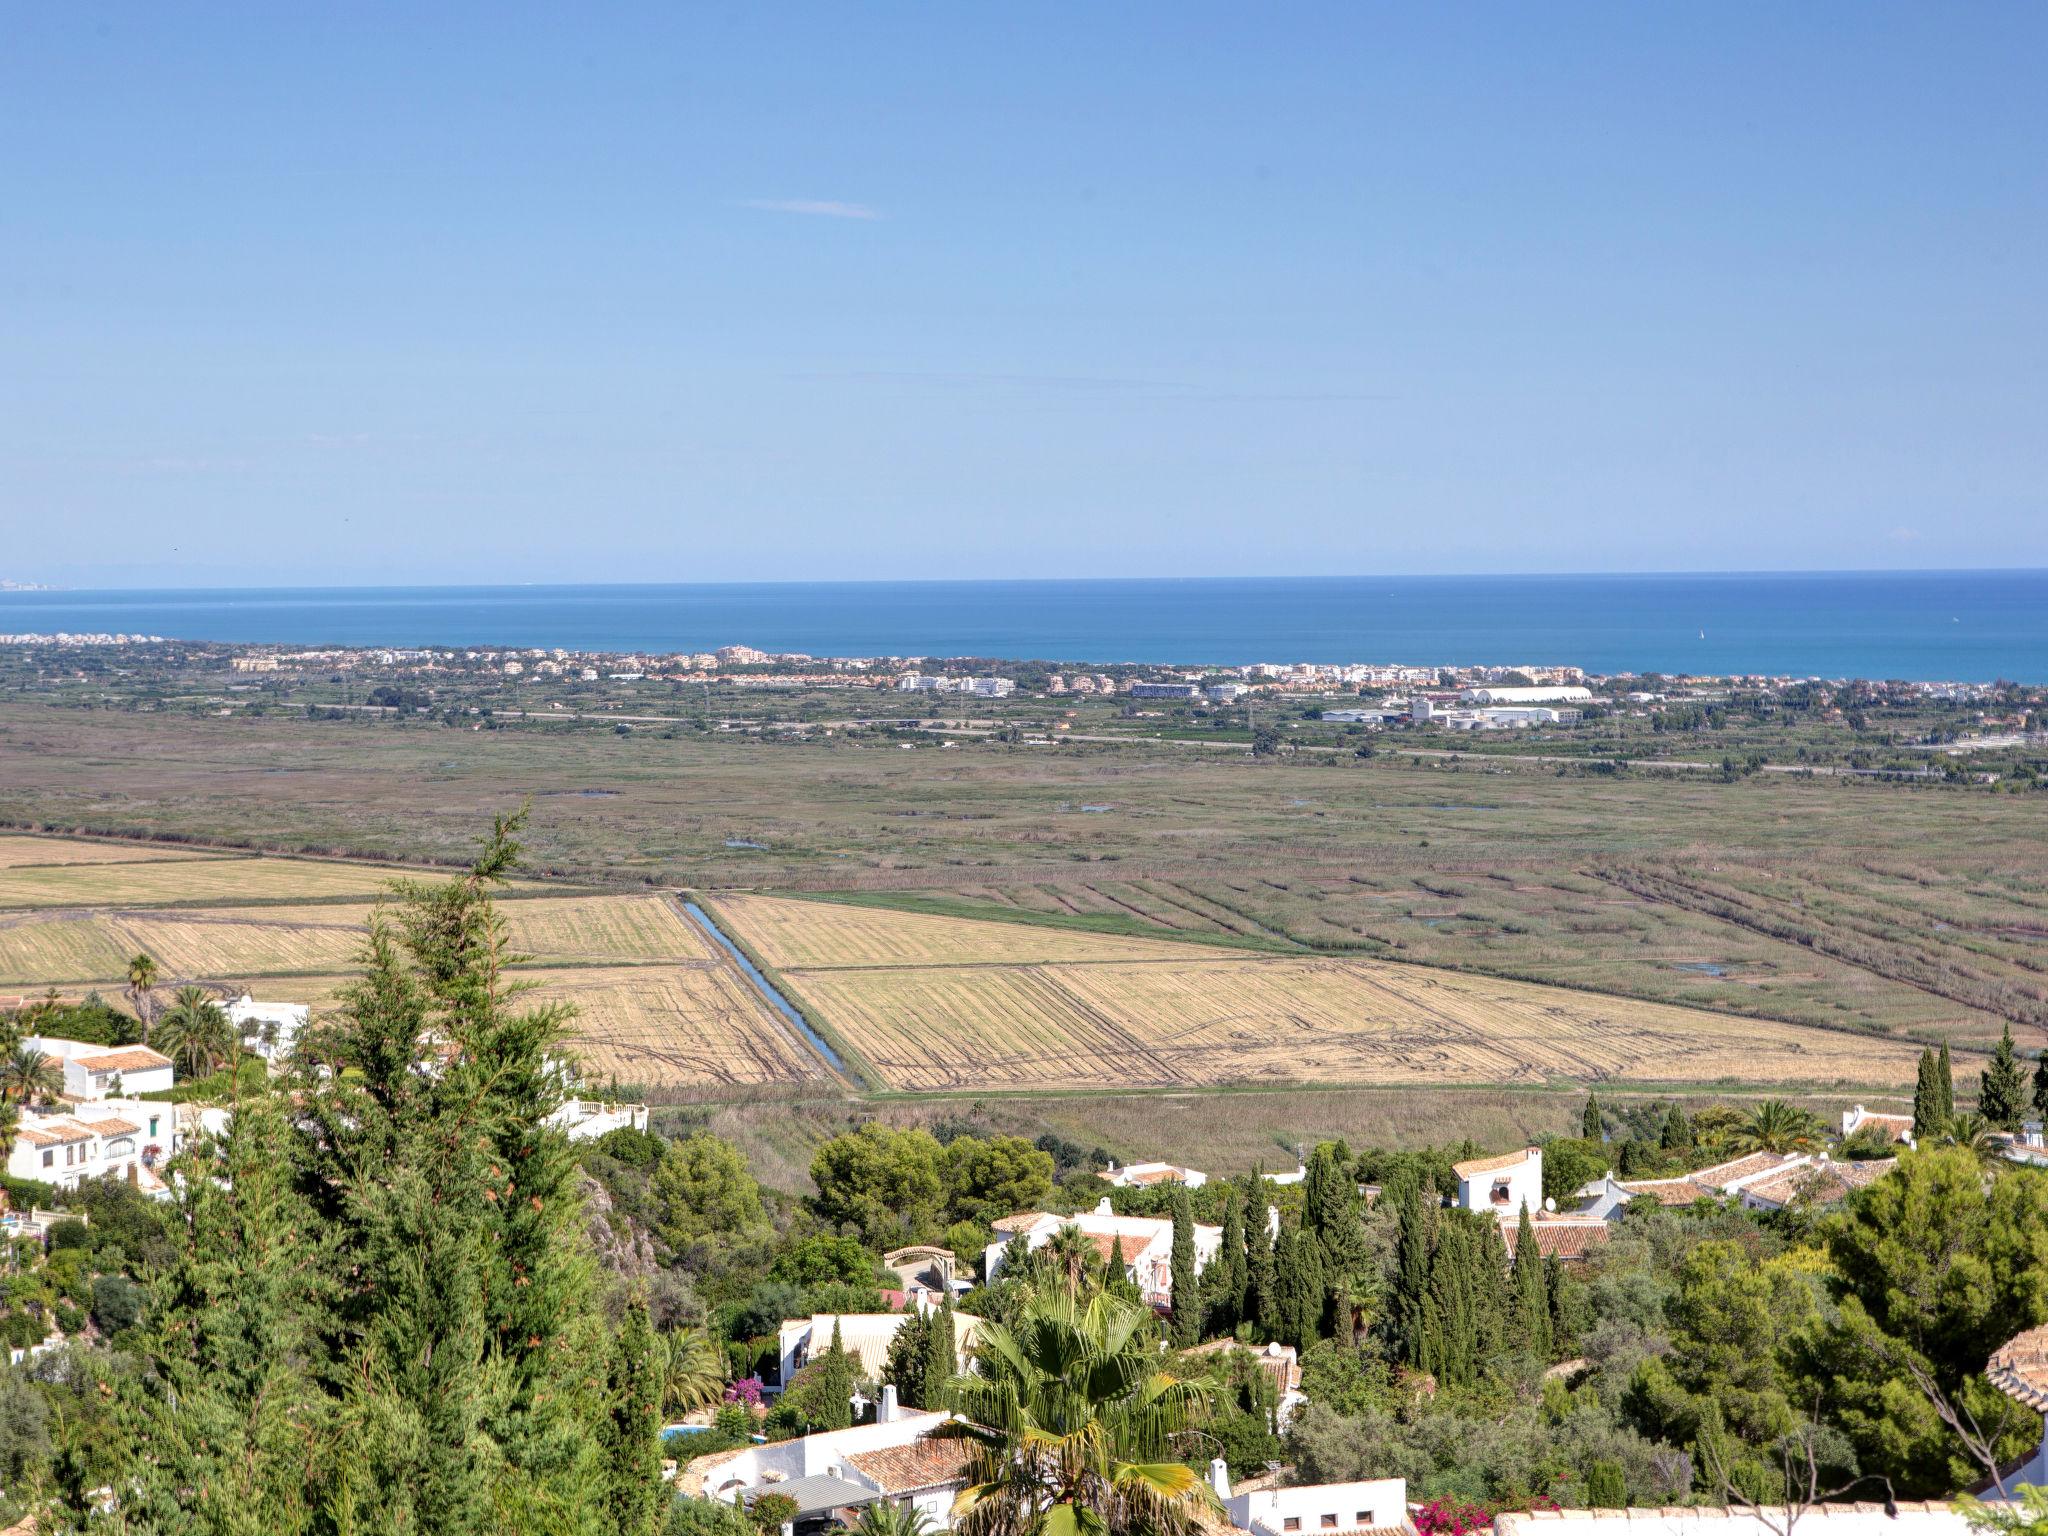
(1667, 1191)
(135, 1058)
(1466, 1170)
(1559, 1239)
(2019, 1368)
(927, 1463)
(1021, 1222)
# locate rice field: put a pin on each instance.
(657, 1007)
(19, 849)
(988, 1018)
(790, 933)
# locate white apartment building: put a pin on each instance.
(588, 1119)
(895, 1460)
(96, 1071)
(1354, 1509)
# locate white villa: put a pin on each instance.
(864, 1335)
(97, 1071)
(1378, 1507)
(1147, 1175)
(894, 1460)
(267, 1029)
(124, 1138)
(1503, 1185)
(1760, 1181)
(1897, 1128)
(588, 1119)
(1147, 1243)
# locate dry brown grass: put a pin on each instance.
(186, 881)
(795, 933)
(39, 951)
(676, 1027)
(602, 928)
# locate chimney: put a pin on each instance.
(1102, 1207)
(885, 1411)
(1219, 1478)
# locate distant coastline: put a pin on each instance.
(1921, 626)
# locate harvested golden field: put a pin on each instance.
(1194, 1016)
(682, 1026)
(181, 881)
(1213, 1022)
(788, 932)
(36, 951)
(19, 849)
(551, 928)
(234, 943)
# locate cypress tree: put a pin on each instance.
(1589, 1123)
(1947, 1084)
(1330, 1211)
(2041, 1085)
(1414, 1241)
(942, 1358)
(1450, 1289)
(1187, 1292)
(1606, 1486)
(1553, 1290)
(1531, 1295)
(1927, 1111)
(909, 1356)
(631, 1434)
(2002, 1089)
(1262, 1281)
(1230, 1267)
(1677, 1135)
(833, 1383)
(1311, 1290)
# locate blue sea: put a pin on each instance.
(1973, 626)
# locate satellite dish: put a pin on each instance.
(1550, 1203)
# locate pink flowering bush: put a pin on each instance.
(746, 1390)
(1450, 1517)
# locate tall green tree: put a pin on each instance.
(142, 987)
(1262, 1282)
(1229, 1271)
(1928, 1111)
(942, 1359)
(1531, 1293)
(1590, 1125)
(1677, 1133)
(1187, 1290)
(1330, 1216)
(1116, 1274)
(1415, 1242)
(469, 1342)
(2040, 1094)
(1946, 1078)
(2002, 1089)
(194, 1032)
(630, 1435)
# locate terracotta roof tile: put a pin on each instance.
(1465, 1170)
(1559, 1239)
(927, 1463)
(2019, 1368)
(135, 1058)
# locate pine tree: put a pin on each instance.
(631, 1434)
(1230, 1267)
(1677, 1135)
(1927, 1112)
(1187, 1291)
(1589, 1123)
(1531, 1296)
(2002, 1089)
(2041, 1085)
(1947, 1083)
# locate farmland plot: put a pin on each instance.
(674, 1027)
(194, 881)
(601, 928)
(17, 850)
(794, 933)
(993, 1018)
(40, 951)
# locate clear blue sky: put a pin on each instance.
(344, 293)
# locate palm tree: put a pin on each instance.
(1071, 1254)
(1072, 1427)
(884, 1519)
(28, 1074)
(195, 1032)
(142, 987)
(1775, 1126)
(1974, 1134)
(692, 1372)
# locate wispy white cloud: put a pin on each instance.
(815, 207)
